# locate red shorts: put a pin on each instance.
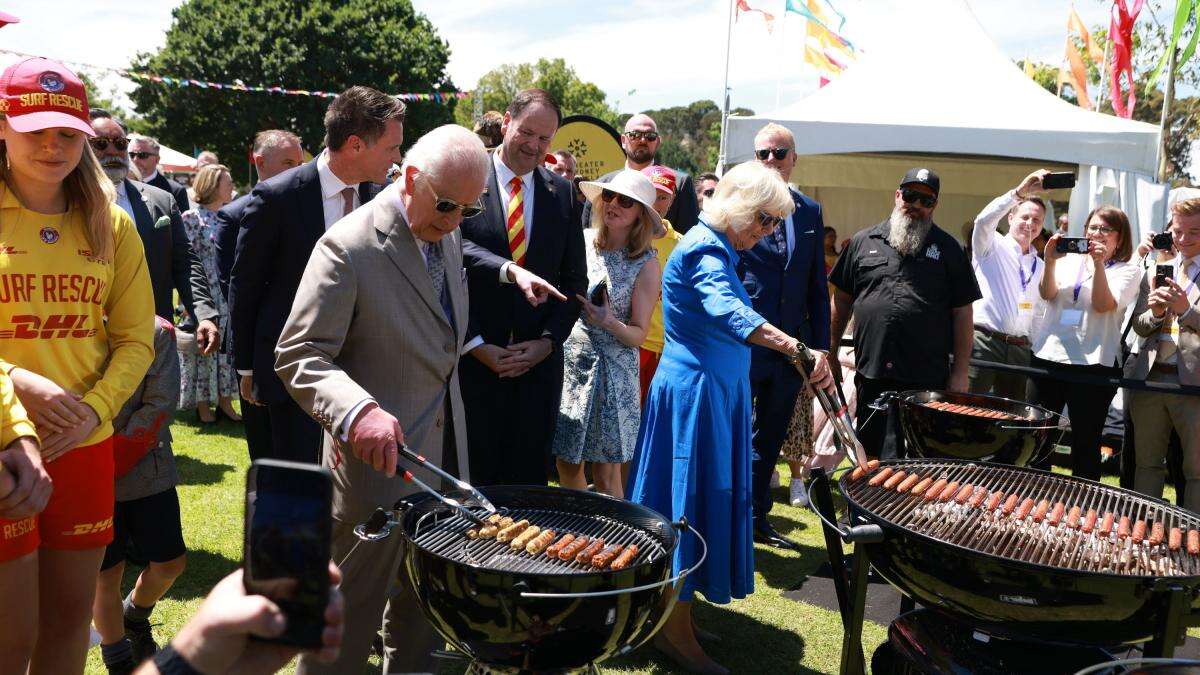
(79, 514)
(647, 364)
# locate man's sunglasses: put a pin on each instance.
(709, 192)
(778, 153)
(768, 221)
(910, 196)
(642, 135)
(100, 143)
(624, 200)
(143, 155)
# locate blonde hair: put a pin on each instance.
(773, 129)
(208, 179)
(742, 193)
(90, 191)
(1186, 207)
(641, 235)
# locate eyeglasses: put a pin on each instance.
(778, 153)
(709, 192)
(1100, 229)
(143, 155)
(910, 196)
(650, 136)
(100, 143)
(624, 200)
(768, 221)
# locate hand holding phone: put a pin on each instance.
(1056, 181)
(1163, 272)
(1071, 245)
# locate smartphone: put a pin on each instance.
(599, 293)
(1055, 181)
(1071, 245)
(1163, 241)
(1162, 272)
(288, 529)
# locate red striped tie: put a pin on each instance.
(516, 220)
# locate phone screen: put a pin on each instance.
(288, 522)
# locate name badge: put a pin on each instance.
(1025, 307)
(1071, 317)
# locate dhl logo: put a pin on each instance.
(29, 327)
(89, 528)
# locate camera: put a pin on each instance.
(1071, 245)
(1163, 241)
(1162, 272)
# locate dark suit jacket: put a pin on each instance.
(280, 224)
(177, 191)
(169, 255)
(795, 298)
(684, 211)
(499, 312)
(229, 220)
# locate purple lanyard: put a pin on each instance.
(1079, 278)
(1032, 270)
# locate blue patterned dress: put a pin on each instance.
(205, 378)
(601, 401)
(693, 457)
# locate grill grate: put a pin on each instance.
(445, 534)
(971, 410)
(1032, 527)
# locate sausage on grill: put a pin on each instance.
(948, 491)
(935, 490)
(894, 480)
(573, 549)
(512, 531)
(525, 537)
(994, 500)
(1193, 542)
(585, 556)
(881, 476)
(1176, 540)
(861, 471)
(604, 558)
(559, 545)
(1040, 513)
(1156, 533)
(1139, 531)
(908, 483)
(1026, 509)
(963, 494)
(1106, 525)
(1123, 528)
(540, 542)
(625, 558)
(1057, 514)
(1010, 504)
(977, 498)
(922, 486)
(1073, 517)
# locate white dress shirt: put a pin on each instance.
(1187, 275)
(123, 201)
(152, 176)
(1007, 306)
(332, 203)
(1096, 338)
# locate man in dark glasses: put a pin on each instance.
(706, 186)
(784, 273)
(641, 142)
(144, 152)
(909, 286)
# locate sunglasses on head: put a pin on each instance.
(100, 143)
(778, 153)
(910, 196)
(642, 135)
(624, 200)
(142, 155)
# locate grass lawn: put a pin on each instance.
(765, 633)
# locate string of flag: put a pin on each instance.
(826, 49)
(237, 85)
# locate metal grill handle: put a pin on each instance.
(624, 591)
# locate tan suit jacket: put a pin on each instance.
(1146, 325)
(367, 324)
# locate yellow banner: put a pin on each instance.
(594, 143)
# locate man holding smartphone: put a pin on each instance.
(1008, 271)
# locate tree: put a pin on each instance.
(499, 86)
(1047, 76)
(325, 45)
(691, 134)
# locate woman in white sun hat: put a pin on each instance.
(600, 412)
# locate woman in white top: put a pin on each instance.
(1086, 297)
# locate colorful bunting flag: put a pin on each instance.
(1074, 23)
(743, 6)
(1120, 31)
(1183, 11)
(1076, 75)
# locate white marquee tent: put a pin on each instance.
(952, 101)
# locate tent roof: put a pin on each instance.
(952, 91)
(173, 160)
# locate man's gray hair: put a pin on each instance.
(273, 138)
(447, 148)
(152, 142)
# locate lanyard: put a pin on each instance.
(1195, 277)
(1079, 277)
(1032, 270)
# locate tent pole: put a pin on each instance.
(1164, 125)
(725, 109)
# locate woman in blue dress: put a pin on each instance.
(693, 457)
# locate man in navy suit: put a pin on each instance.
(143, 150)
(281, 223)
(522, 246)
(784, 274)
(274, 152)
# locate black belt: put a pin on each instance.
(1017, 340)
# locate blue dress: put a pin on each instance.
(693, 456)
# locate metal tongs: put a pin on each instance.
(476, 498)
(835, 408)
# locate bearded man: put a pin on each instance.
(909, 286)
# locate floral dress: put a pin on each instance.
(600, 412)
(204, 378)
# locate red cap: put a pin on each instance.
(662, 177)
(37, 93)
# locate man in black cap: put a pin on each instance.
(910, 286)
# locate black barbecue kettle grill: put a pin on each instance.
(1009, 551)
(511, 611)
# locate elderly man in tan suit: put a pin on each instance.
(370, 350)
(1168, 320)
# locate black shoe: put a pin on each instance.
(124, 667)
(764, 533)
(138, 632)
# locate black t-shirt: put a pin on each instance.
(903, 320)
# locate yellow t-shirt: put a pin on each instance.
(13, 421)
(664, 246)
(84, 323)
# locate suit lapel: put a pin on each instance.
(312, 203)
(493, 211)
(401, 247)
(141, 213)
(452, 250)
(544, 196)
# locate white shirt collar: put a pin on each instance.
(120, 186)
(331, 185)
(152, 176)
(504, 175)
(392, 192)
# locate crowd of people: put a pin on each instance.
(640, 333)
